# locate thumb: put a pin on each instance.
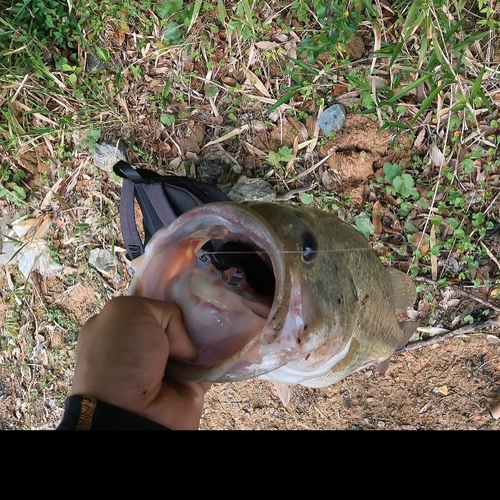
(169, 317)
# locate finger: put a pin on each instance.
(169, 317)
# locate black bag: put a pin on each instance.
(161, 200)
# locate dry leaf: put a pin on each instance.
(225, 137)
(254, 80)
(338, 90)
(420, 139)
(267, 45)
(227, 80)
(436, 156)
(118, 37)
(424, 244)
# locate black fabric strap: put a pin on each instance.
(89, 414)
(128, 224)
(161, 200)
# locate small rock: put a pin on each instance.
(453, 303)
(107, 154)
(210, 171)
(102, 260)
(332, 119)
(413, 315)
(247, 189)
(492, 339)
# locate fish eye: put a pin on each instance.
(309, 247)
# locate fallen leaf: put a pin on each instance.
(254, 80)
(424, 244)
(338, 90)
(227, 80)
(267, 45)
(118, 37)
(436, 156)
(420, 139)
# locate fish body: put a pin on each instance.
(334, 303)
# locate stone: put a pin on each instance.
(102, 260)
(107, 154)
(210, 171)
(332, 119)
(247, 189)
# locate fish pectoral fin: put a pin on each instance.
(407, 330)
(382, 365)
(404, 292)
(284, 392)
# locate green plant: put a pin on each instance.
(276, 158)
(339, 21)
(29, 27)
(10, 185)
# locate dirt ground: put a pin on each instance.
(451, 385)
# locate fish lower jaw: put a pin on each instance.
(292, 373)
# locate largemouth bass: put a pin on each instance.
(291, 295)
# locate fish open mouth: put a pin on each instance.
(222, 266)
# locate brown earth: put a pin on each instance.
(451, 385)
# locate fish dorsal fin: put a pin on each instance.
(404, 292)
(284, 392)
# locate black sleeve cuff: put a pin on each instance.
(89, 414)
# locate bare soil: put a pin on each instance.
(451, 385)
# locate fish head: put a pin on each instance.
(239, 334)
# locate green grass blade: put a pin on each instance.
(485, 100)
(397, 51)
(429, 100)
(412, 14)
(476, 87)
(454, 29)
(284, 98)
(470, 40)
(413, 85)
(249, 13)
(305, 66)
(196, 12)
(221, 12)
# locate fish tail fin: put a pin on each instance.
(284, 392)
(404, 292)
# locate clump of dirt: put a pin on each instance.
(80, 302)
(356, 149)
(451, 385)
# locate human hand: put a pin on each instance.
(121, 358)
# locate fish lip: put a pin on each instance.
(243, 220)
